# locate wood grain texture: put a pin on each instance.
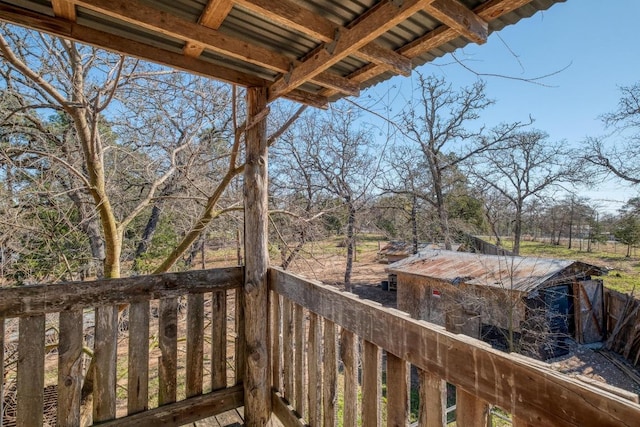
(371, 385)
(314, 369)
(397, 392)
(219, 340)
(287, 349)
(2, 364)
(256, 308)
(70, 368)
(329, 374)
(276, 350)
(470, 411)
(138, 361)
(349, 355)
(492, 376)
(454, 14)
(195, 344)
(30, 397)
(168, 344)
(287, 416)
(105, 354)
(54, 298)
(240, 341)
(300, 399)
(185, 411)
(433, 400)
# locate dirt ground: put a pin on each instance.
(369, 271)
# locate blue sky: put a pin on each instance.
(596, 40)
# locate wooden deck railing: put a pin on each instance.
(150, 341)
(327, 352)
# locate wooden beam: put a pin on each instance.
(212, 17)
(458, 17)
(285, 412)
(372, 24)
(255, 290)
(64, 9)
(291, 15)
(137, 13)
(490, 375)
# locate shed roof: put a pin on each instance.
(507, 272)
(311, 51)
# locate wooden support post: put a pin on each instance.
(30, 371)
(470, 411)
(70, 368)
(433, 400)
(397, 391)
(256, 380)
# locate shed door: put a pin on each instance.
(589, 306)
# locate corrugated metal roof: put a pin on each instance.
(513, 273)
(292, 43)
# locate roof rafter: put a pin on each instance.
(369, 26)
(460, 18)
(136, 12)
(291, 15)
(212, 17)
(64, 9)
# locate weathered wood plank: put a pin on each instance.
(240, 342)
(285, 412)
(168, 344)
(397, 392)
(493, 376)
(314, 366)
(30, 371)
(300, 400)
(371, 385)
(195, 344)
(54, 298)
(470, 411)
(349, 355)
(219, 340)
(329, 374)
(2, 365)
(70, 368)
(287, 349)
(255, 289)
(138, 362)
(276, 351)
(105, 354)
(433, 400)
(185, 411)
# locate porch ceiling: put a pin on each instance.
(310, 51)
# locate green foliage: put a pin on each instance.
(627, 231)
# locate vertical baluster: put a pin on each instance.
(349, 356)
(329, 374)
(314, 364)
(433, 400)
(299, 333)
(195, 344)
(30, 371)
(397, 391)
(219, 340)
(138, 363)
(287, 349)
(371, 385)
(105, 354)
(470, 411)
(240, 337)
(276, 353)
(168, 344)
(70, 368)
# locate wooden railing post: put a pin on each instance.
(256, 380)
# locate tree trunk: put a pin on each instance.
(351, 224)
(257, 392)
(147, 235)
(517, 230)
(414, 223)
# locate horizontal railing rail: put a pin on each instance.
(328, 348)
(165, 349)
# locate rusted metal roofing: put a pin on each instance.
(396, 248)
(312, 51)
(513, 273)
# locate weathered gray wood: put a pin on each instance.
(195, 344)
(70, 368)
(433, 400)
(105, 354)
(30, 371)
(287, 349)
(300, 399)
(285, 412)
(256, 308)
(314, 365)
(397, 392)
(54, 298)
(276, 351)
(168, 344)
(470, 411)
(329, 374)
(138, 363)
(185, 411)
(349, 356)
(241, 342)
(219, 340)
(371, 385)
(470, 364)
